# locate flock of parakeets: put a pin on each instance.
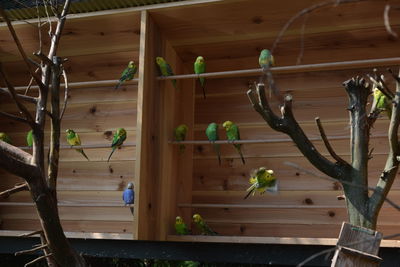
(182, 229)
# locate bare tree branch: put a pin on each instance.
(327, 144)
(66, 93)
(387, 22)
(26, 98)
(20, 49)
(13, 117)
(18, 188)
(288, 124)
(14, 96)
(31, 234)
(30, 250)
(38, 259)
(307, 11)
(389, 174)
(17, 161)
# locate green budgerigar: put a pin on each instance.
(5, 138)
(165, 69)
(232, 133)
(199, 68)
(180, 226)
(266, 59)
(212, 135)
(203, 226)
(262, 180)
(382, 102)
(74, 140)
(127, 74)
(180, 135)
(29, 138)
(118, 140)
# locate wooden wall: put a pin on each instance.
(230, 35)
(89, 192)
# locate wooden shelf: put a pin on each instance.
(268, 240)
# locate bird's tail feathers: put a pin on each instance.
(202, 81)
(251, 189)
(118, 85)
(109, 157)
(241, 155)
(181, 148)
(174, 83)
(217, 150)
(273, 189)
(83, 153)
(131, 209)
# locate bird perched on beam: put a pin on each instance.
(203, 226)
(199, 68)
(5, 138)
(212, 135)
(74, 140)
(232, 133)
(165, 69)
(127, 74)
(180, 226)
(118, 140)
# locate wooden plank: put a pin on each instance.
(81, 68)
(88, 235)
(177, 107)
(147, 140)
(267, 240)
(233, 175)
(70, 226)
(79, 175)
(71, 213)
(388, 216)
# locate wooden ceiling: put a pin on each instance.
(227, 33)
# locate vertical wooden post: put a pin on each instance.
(163, 176)
(357, 246)
(147, 132)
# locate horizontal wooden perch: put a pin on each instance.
(261, 141)
(83, 146)
(85, 84)
(256, 206)
(343, 65)
(67, 204)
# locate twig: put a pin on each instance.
(394, 75)
(30, 82)
(23, 97)
(66, 91)
(31, 234)
(7, 193)
(298, 167)
(13, 93)
(40, 247)
(301, 53)
(38, 259)
(303, 12)
(387, 22)
(20, 49)
(43, 58)
(327, 144)
(13, 117)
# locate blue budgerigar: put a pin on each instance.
(128, 196)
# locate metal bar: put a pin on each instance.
(256, 206)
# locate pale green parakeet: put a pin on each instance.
(232, 133)
(180, 135)
(127, 74)
(5, 138)
(203, 226)
(266, 59)
(29, 138)
(118, 140)
(199, 68)
(165, 69)
(180, 226)
(74, 140)
(382, 102)
(212, 135)
(262, 180)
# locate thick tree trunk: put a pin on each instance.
(46, 206)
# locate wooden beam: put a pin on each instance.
(86, 235)
(147, 132)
